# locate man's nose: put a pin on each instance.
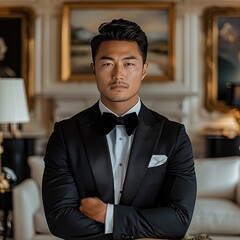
(117, 72)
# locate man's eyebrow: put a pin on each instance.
(110, 58)
(129, 58)
(106, 58)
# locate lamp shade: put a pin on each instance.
(13, 103)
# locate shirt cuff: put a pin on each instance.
(109, 219)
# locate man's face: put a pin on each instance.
(119, 71)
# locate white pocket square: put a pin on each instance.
(157, 160)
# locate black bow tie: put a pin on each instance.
(109, 122)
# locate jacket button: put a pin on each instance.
(126, 237)
(129, 237)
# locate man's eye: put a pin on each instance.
(107, 64)
(129, 64)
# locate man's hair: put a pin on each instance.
(121, 30)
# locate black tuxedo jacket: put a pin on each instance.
(156, 202)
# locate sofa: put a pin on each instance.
(217, 210)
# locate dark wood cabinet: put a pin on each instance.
(15, 154)
(221, 146)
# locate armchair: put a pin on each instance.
(28, 214)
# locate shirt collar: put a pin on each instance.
(136, 108)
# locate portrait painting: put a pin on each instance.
(221, 27)
(17, 45)
(228, 54)
(10, 49)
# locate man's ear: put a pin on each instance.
(145, 68)
(92, 67)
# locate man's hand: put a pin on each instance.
(94, 208)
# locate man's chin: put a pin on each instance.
(118, 100)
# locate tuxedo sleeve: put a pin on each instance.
(61, 196)
(171, 214)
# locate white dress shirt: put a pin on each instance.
(119, 144)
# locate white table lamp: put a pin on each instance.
(13, 110)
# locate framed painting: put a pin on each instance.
(222, 54)
(16, 46)
(80, 22)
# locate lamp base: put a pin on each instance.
(4, 184)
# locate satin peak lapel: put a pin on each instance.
(145, 139)
(97, 152)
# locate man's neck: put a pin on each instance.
(120, 108)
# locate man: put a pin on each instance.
(103, 181)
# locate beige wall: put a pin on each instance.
(180, 99)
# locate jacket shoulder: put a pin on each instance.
(82, 117)
(167, 121)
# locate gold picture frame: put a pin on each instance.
(80, 22)
(17, 46)
(221, 26)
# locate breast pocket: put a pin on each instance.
(157, 170)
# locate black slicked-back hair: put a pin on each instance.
(121, 30)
